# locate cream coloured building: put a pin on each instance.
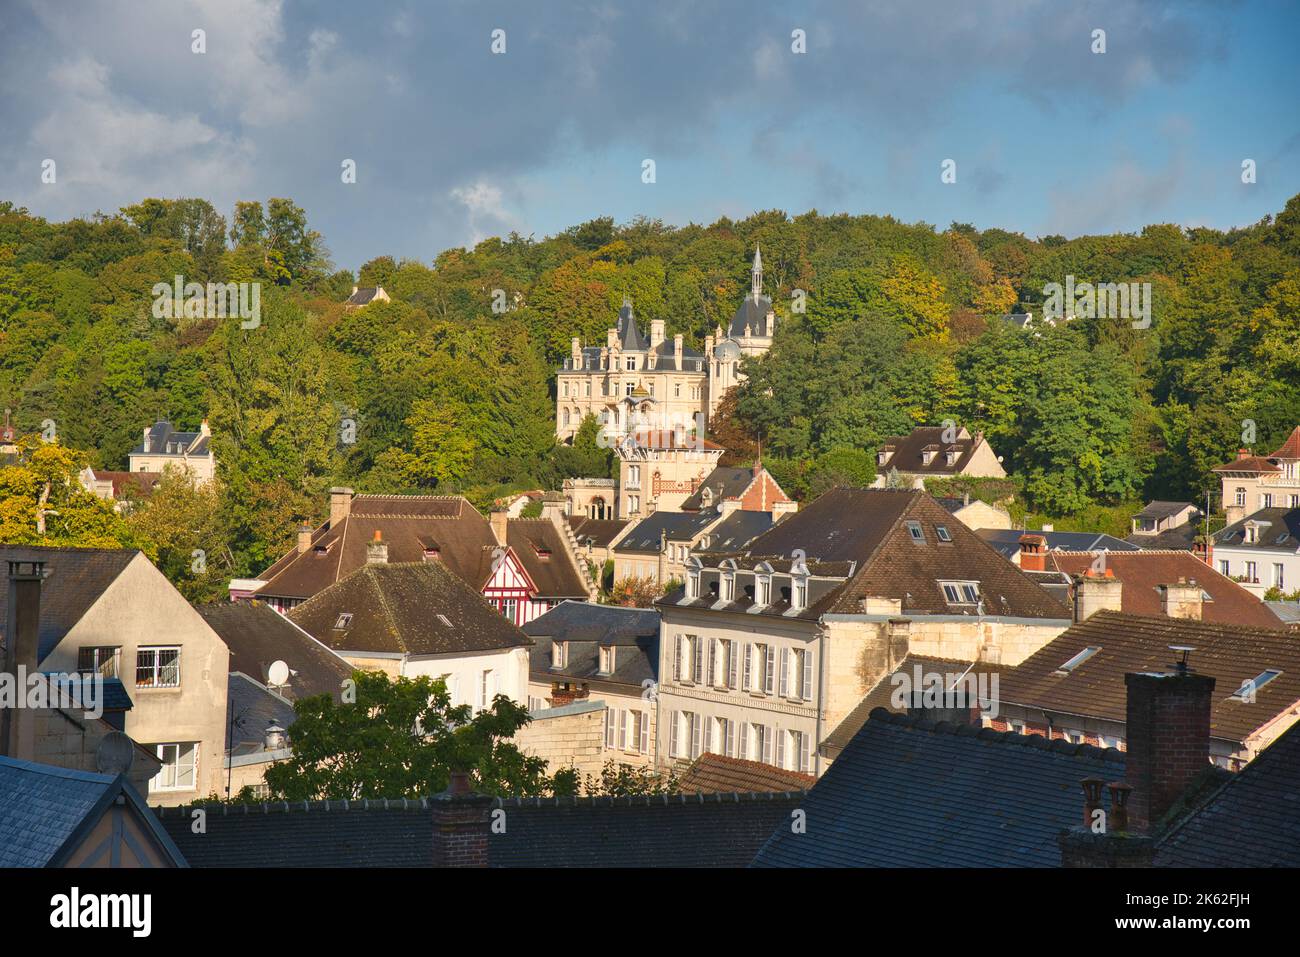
(162, 447)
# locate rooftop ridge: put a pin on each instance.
(287, 807)
(1058, 745)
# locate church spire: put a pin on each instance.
(756, 285)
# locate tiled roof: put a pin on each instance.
(540, 549)
(1248, 463)
(1253, 821)
(75, 578)
(257, 636)
(906, 454)
(716, 773)
(1143, 574)
(882, 695)
(1132, 643)
(1158, 509)
(408, 524)
(908, 792)
(418, 609)
(1006, 541)
(600, 532)
(1290, 449)
(1279, 528)
(634, 633)
(164, 440)
(679, 526)
(698, 830)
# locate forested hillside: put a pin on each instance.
(902, 326)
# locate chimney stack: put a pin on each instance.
(304, 538)
(1033, 553)
(1182, 600)
(1168, 733)
(1203, 548)
(377, 550)
(500, 520)
(340, 505)
(144, 447)
(1095, 592)
(656, 333)
(21, 648)
(461, 825)
(677, 351)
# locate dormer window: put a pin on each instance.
(764, 583)
(693, 584)
(728, 587)
(559, 654)
(800, 593)
(950, 457)
(606, 659)
(928, 454)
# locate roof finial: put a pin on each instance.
(756, 285)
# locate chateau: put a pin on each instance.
(633, 383)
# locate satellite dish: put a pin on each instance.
(115, 754)
(277, 674)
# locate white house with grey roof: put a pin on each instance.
(1262, 551)
(163, 447)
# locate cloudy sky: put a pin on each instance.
(453, 143)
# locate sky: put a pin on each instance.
(453, 142)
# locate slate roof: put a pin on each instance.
(882, 693)
(1286, 611)
(1007, 541)
(164, 440)
(1155, 510)
(257, 636)
(362, 296)
(1144, 573)
(698, 830)
(634, 632)
(679, 526)
(858, 541)
(250, 708)
(906, 454)
(1133, 643)
(753, 313)
(1181, 538)
(600, 532)
(717, 773)
(1252, 821)
(736, 531)
(408, 525)
(1281, 533)
(75, 578)
(400, 609)
(629, 334)
(46, 811)
(909, 792)
(540, 549)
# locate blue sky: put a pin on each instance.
(454, 143)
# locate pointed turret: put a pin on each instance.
(756, 284)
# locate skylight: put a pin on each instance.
(914, 529)
(444, 619)
(343, 621)
(1250, 687)
(1077, 660)
(942, 532)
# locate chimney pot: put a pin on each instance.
(377, 550)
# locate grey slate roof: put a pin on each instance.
(1007, 541)
(752, 313)
(736, 531)
(1285, 610)
(45, 811)
(634, 633)
(75, 578)
(164, 440)
(679, 526)
(250, 708)
(1157, 509)
(629, 335)
(913, 793)
(725, 481)
(1253, 821)
(1282, 532)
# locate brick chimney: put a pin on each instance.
(377, 550)
(1182, 600)
(500, 520)
(340, 505)
(562, 694)
(304, 538)
(1168, 734)
(1203, 548)
(461, 824)
(1095, 592)
(1033, 553)
(21, 649)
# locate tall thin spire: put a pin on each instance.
(756, 286)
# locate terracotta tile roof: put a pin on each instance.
(418, 609)
(716, 773)
(1095, 688)
(408, 524)
(1246, 462)
(1290, 449)
(1143, 573)
(540, 549)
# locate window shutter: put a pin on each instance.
(805, 753)
(749, 662)
(695, 736)
(780, 748)
(622, 730)
(713, 660)
(643, 721)
(807, 675)
(744, 740)
(731, 664)
(785, 672)
(767, 743)
(698, 674)
(706, 745)
(674, 719)
(677, 658)
(731, 739)
(609, 727)
(769, 670)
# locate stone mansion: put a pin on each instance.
(633, 383)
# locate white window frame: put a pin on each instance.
(157, 667)
(155, 784)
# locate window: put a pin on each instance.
(487, 686)
(942, 532)
(1109, 740)
(692, 584)
(611, 719)
(697, 730)
(1077, 660)
(343, 621)
(1278, 574)
(559, 654)
(633, 476)
(1241, 496)
(1017, 727)
(180, 767)
(1252, 572)
(1223, 566)
(158, 668)
(747, 672)
(780, 747)
(914, 529)
(804, 674)
(728, 587)
(769, 669)
(1246, 693)
(960, 593)
(606, 659)
(536, 704)
(1268, 500)
(629, 363)
(800, 593)
(105, 661)
(805, 752)
(764, 590)
(509, 606)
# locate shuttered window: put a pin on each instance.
(806, 690)
(785, 672)
(769, 670)
(749, 664)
